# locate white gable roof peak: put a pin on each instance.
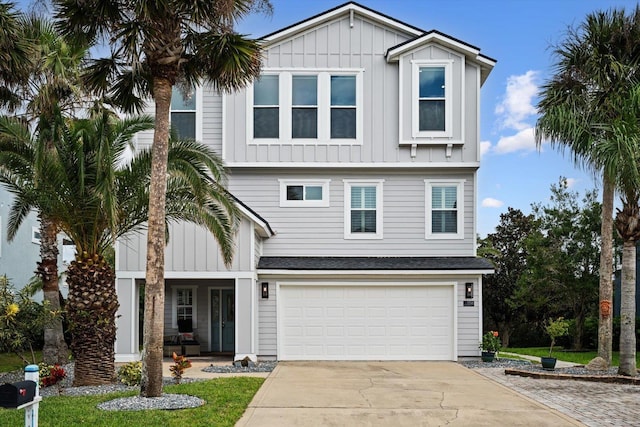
(471, 52)
(337, 11)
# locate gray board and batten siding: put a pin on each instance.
(319, 231)
(334, 46)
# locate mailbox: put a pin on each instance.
(17, 394)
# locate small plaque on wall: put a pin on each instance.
(468, 303)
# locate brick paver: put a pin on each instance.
(592, 403)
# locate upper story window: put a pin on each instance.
(35, 235)
(304, 107)
(432, 103)
(304, 193)
(307, 107)
(444, 209)
(363, 209)
(266, 111)
(343, 107)
(185, 119)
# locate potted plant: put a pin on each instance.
(490, 345)
(555, 329)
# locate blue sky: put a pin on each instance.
(518, 34)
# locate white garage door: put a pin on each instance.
(365, 322)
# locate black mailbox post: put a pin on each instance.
(17, 394)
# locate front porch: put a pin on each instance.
(201, 318)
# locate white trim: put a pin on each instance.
(287, 32)
(1, 237)
(174, 304)
(366, 273)
(285, 107)
(452, 285)
(459, 184)
(191, 274)
(378, 183)
(416, 65)
(475, 215)
(323, 183)
(235, 318)
(241, 356)
(266, 232)
(396, 52)
(363, 165)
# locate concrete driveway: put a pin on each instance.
(390, 394)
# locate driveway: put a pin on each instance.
(390, 394)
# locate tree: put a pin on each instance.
(94, 200)
(506, 249)
(51, 83)
(157, 45)
(15, 51)
(563, 262)
(596, 66)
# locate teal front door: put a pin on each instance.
(223, 320)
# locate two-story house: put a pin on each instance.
(354, 159)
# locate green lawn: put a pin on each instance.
(582, 357)
(227, 399)
(11, 362)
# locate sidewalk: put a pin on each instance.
(559, 363)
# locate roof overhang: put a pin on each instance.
(262, 226)
(373, 265)
(350, 7)
(472, 53)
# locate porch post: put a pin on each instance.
(127, 321)
(245, 328)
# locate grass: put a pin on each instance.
(226, 400)
(580, 357)
(11, 362)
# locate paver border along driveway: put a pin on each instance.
(390, 394)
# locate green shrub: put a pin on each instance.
(131, 373)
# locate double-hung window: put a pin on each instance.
(363, 209)
(184, 303)
(432, 105)
(343, 107)
(304, 193)
(445, 209)
(184, 114)
(266, 110)
(304, 107)
(307, 107)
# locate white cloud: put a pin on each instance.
(517, 105)
(490, 202)
(521, 141)
(485, 146)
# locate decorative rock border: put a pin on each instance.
(617, 379)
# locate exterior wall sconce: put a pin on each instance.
(265, 289)
(468, 290)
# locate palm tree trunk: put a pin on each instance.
(151, 383)
(605, 325)
(92, 307)
(628, 310)
(55, 349)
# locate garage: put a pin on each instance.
(366, 321)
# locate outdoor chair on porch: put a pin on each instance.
(188, 341)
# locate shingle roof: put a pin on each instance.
(374, 263)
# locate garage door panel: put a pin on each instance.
(321, 322)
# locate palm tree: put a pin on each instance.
(52, 84)
(94, 201)
(15, 58)
(596, 68)
(157, 45)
